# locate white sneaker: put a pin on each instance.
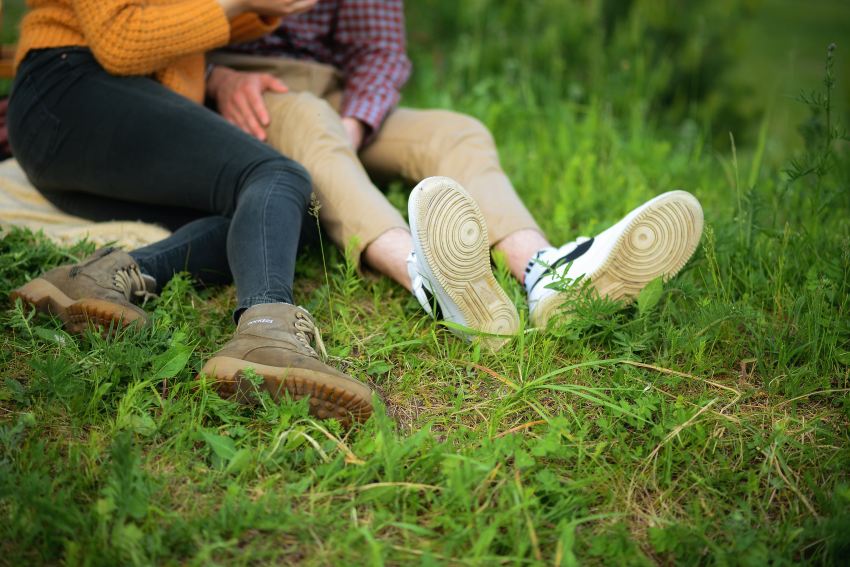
(655, 239)
(450, 262)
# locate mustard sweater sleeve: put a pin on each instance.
(133, 37)
(246, 27)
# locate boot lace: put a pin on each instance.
(129, 281)
(306, 332)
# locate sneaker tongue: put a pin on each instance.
(150, 283)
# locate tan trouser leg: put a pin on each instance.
(412, 144)
(420, 143)
(308, 129)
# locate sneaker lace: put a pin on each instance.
(307, 332)
(129, 281)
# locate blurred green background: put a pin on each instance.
(718, 66)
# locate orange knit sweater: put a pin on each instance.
(163, 38)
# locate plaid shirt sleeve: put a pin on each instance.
(370, 34)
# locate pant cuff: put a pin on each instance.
(249, 302)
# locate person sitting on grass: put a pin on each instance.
(323, 88)
(105, 107)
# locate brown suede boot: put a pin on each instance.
(274, 339)
(97, 291)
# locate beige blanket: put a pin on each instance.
(22, 205)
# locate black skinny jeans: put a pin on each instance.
(91, 141)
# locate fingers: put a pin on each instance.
(232, 7)
(300, 6)
(274, 84)
(284, 8)
(244, 108)
(244, 103)
(241, 102)
(233, 110)
(256, 107)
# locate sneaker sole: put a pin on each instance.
(659, 241)
(451, 239)
(76, 314)
(330, 396)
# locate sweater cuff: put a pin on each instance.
(246, 27)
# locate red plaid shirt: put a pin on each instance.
(364, 39)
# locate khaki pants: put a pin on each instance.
(411, 144)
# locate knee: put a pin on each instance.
(309, 104)
(283, 174)
(296, 178)
(302, 113)
(453, 129)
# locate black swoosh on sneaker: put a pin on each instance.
(565, 259)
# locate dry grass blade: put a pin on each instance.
(521, 427)
(350, 457)
(374, 486)
(683, 375)
(810, 394)
(491, 372)
(678, 429)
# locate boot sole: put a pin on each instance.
(451, 240)
(659, 241)
(330, 396)
(76, 314)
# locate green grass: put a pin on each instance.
(706, 424)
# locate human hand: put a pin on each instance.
(240, 98)
(282, 8)
(355, 131)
